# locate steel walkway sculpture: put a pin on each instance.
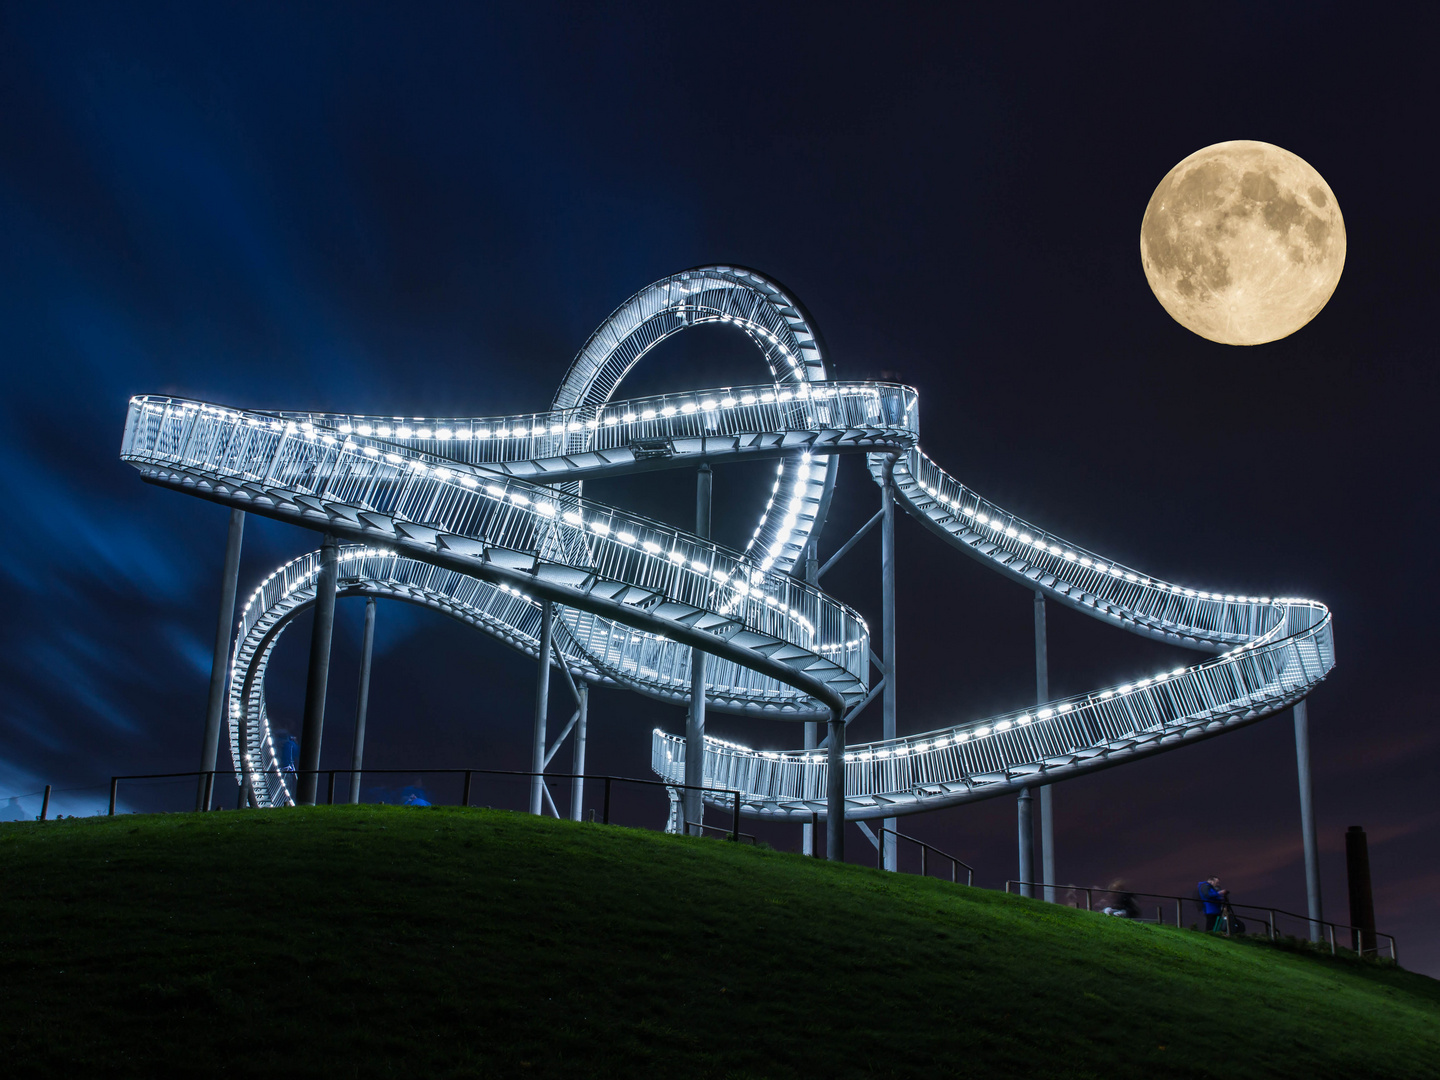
(484, 520)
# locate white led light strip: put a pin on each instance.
(478, 516)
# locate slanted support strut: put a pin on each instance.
(542, 707)
(362, 701)
(577, 786)
(220, 661)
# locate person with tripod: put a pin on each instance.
(1213, 900)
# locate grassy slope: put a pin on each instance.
(378, 941)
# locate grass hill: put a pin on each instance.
(381, 941)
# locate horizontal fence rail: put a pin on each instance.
(1266, 917)
(606, 781)
(925, 850)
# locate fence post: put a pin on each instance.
(330, 790)
(1330, 930)
(605, 820)
(114, 783)
(735, 835)
(45, 804)
(465, 798)
(924, 865)
(1178, 922)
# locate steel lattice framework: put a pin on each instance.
(483, 519)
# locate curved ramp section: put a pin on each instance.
(499, 610)
(753, 304)
(482, 518)
(1274, 651)
(305, 467)
(809, 649)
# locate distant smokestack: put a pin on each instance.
(1362, 901)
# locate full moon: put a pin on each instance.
(1243, 243)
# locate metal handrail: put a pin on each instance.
(638, 596)
(924, 848)
(1330, 927)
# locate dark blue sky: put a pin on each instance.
(427, 210)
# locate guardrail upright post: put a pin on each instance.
(605, 818)
(924, 863)
(45, 804)
(318, 678)
(1272, 926)
(735, 824)
(114, 786)
(1178, 915)
(330, 790)
(465, 798)
(542, 706)
(362, 701)
(220, 659)
(1307, 819)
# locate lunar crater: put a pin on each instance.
(1232, 250)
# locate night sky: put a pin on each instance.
(425, 211)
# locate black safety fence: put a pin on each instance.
(47, 804)
(1233, 920)
(604, 799)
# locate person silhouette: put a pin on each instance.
(1212, 899)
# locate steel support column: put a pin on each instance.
(577, 786)
(1047, 805)
(318, 678)
(1307, 819)
(542, 706)
(220, 660)
(812, 729)
(362, 701)
(1027, 844)
(692, 801)
(889, 854)
(807, 830)
(835, 791)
